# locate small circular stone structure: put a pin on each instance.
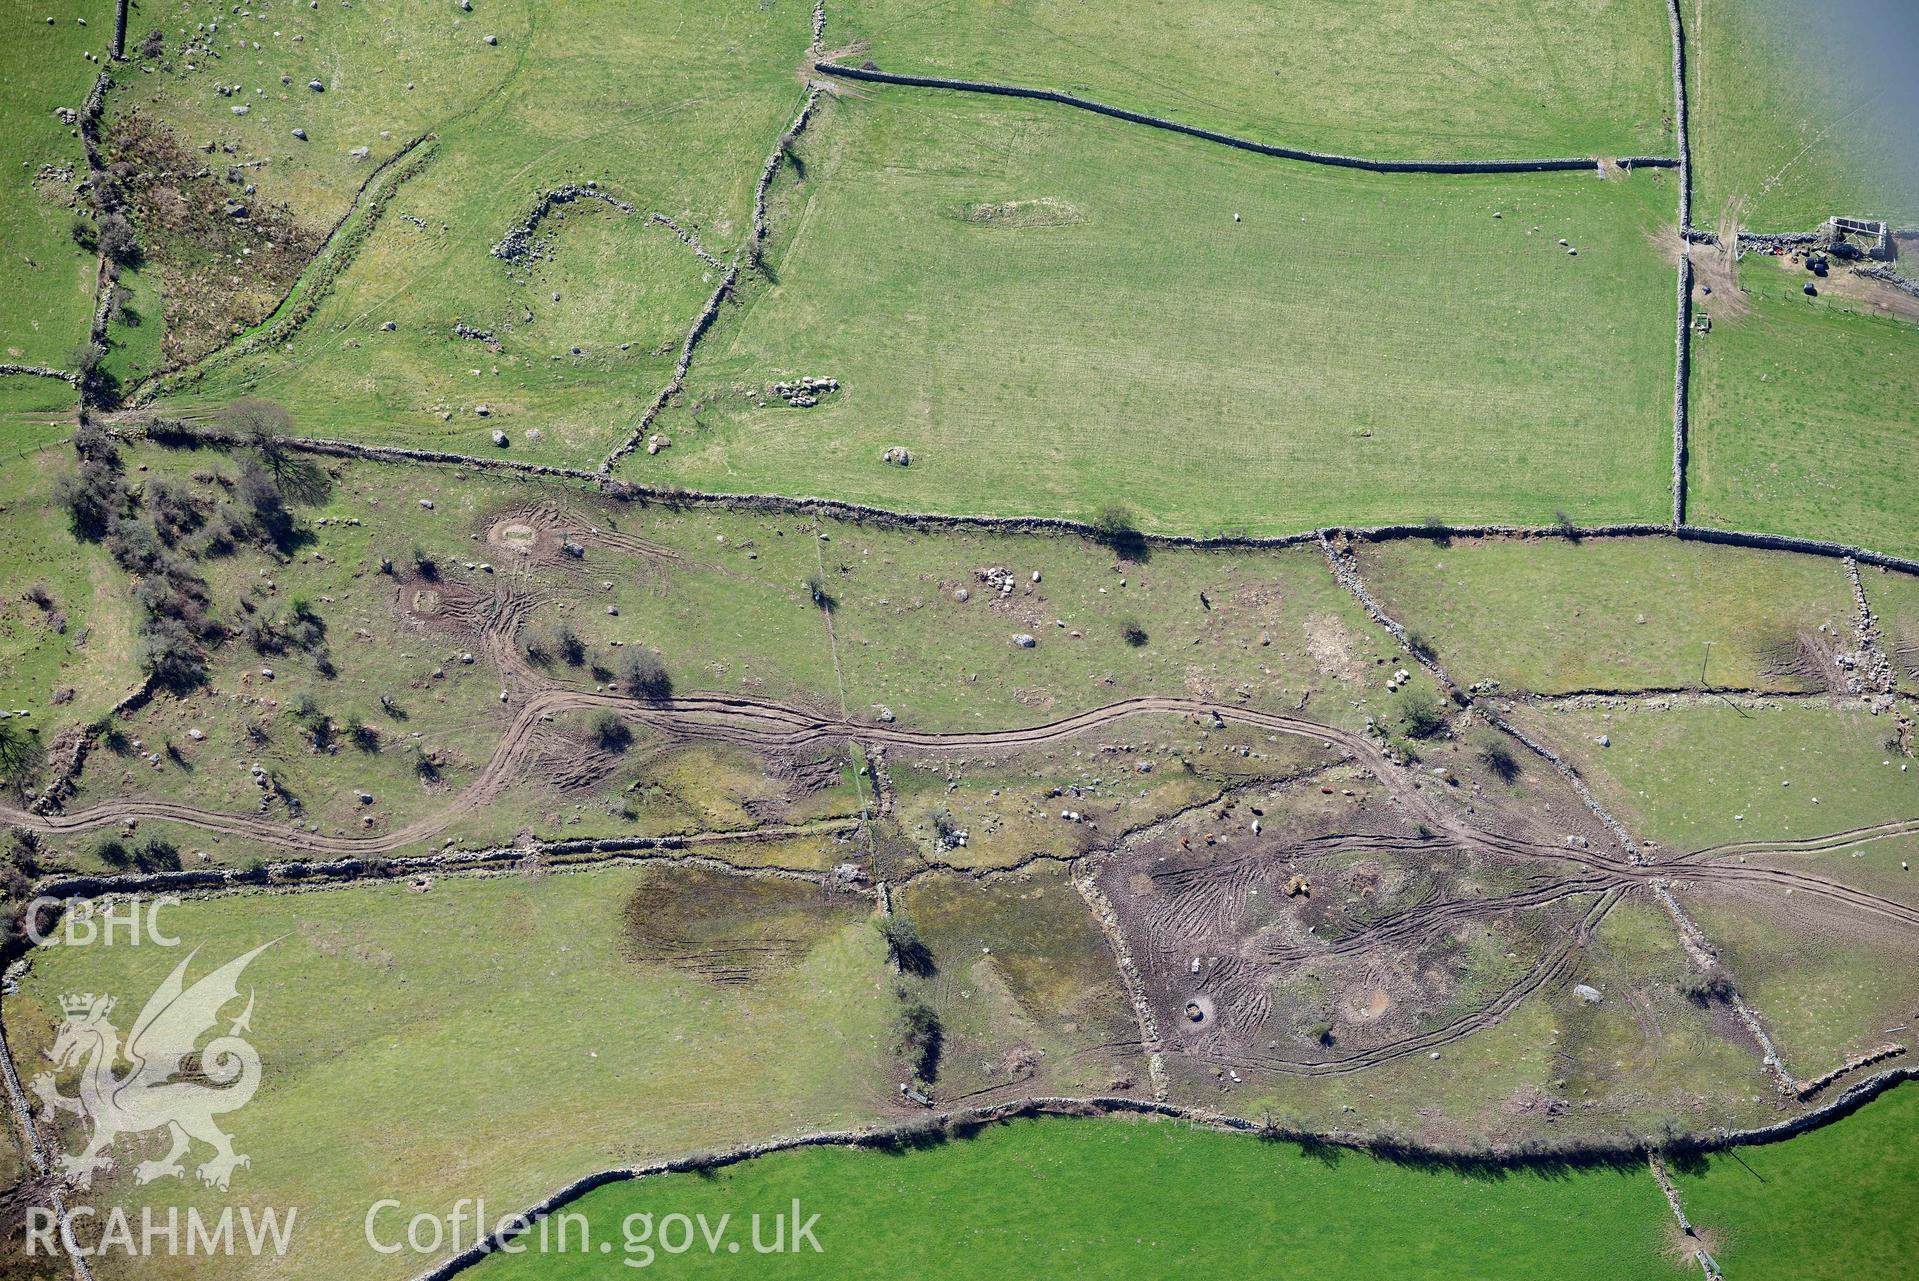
(514, 535)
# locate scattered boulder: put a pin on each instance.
(1024, 640)
(898, 455)
(804, 393)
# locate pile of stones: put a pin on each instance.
(804, 393)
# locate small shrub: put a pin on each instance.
(1115, 525)
(158, 855)
(1421, 714)
(1134, 634)
(568, 645)
(171, 654)
(260, 423)
(921, 1038)
(1704, 989)
(257, 494)
(118, 240)
(92, 499)
(612, 733)
(904, 945)
(308, 716)
(20, 753)
(643, 677)
(1498, 758)
(113, 853)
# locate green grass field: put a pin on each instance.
(1829, 982)
(388, 74)
(82, 640)
(1449, 81)
(16, 1262)
(1894, 598)
(46, 281)
(35, 412)
(1002, 290)
(1832, 1205)
(563, 1039)
(1796, 426)
(1685, 776)
(1125, 1199)
(1025, 986)
(1550, 616)
(724, 601)
(567, 101)
(1625, 1069)
(1787, 128)
(1021, 309)
(1010, 811)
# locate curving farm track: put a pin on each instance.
(765, 724)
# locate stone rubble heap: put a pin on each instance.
(804, 393)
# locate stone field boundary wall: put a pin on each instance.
(939, 1126)
(176, 432)
(874, 76)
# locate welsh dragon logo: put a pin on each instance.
(161, 1089)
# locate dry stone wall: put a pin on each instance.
(874, 76)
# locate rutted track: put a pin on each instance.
(732, 718)
(1550, 965)
(764, 724)
(1811, 844)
